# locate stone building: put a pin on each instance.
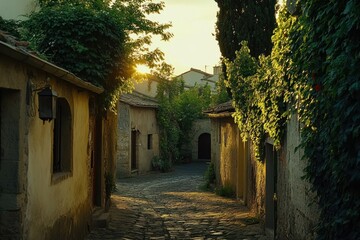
(137, 134)
(200, 140)
(50, 167)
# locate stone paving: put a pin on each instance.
(171, 206)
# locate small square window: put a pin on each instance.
(149, 141)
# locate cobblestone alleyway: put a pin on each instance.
(171, 206)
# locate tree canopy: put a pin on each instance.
(245, 20)
(99, 41)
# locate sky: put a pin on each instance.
(194, 44)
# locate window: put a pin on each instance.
(62, 161)
(150, 141)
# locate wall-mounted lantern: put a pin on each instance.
(47, 104)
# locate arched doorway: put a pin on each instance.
(204, 146)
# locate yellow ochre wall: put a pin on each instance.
(144, 120)
(58, 207)
(229, 155)
(42, 207)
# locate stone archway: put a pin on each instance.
(204, 146)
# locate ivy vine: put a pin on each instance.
(178, 109)
(326, 43)
(313, 70)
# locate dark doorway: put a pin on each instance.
(270, 195)
(133, 149)
(204, 146)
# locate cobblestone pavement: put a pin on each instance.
(171, 206)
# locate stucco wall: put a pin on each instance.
(297, 210)
(215, 144)
(55, 205)
(256, 184)
(228, 153)
(143, 120)
(43, 207)
(230, 156)
(191, 78)
(200, 126)
(148, 87)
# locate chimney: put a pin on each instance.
(217, 70)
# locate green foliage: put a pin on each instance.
(82, 40)
(251, 21)
(225, 191)
(326, 46)
(313, 71)
(210, 176)
(161, 164)
(10, 26)
(222, 93)
(99, 42)
(258, 97)
(178, 109)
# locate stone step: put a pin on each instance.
(100, 218)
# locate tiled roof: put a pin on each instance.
(139, 100)
(220, 108)
(7, 38)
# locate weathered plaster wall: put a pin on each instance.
(229, 154)
(148, 87)
(123, 160)
(59, 204)
(256, 184)
(192, 77)
(36, 203)
(200, 126)
(144, 120)
(296, 217)
(215, 145)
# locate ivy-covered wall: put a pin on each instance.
(297, 210)
(313, 71)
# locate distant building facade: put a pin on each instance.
(137, 135)
(17, 9)
(200, 78)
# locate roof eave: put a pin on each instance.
(48, 67)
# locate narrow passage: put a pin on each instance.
(171, 206)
